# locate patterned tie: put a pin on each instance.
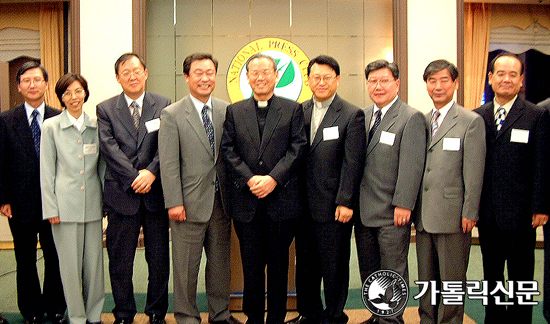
(435, 124)
(377, 119)
(35, 130)
(209, 128)
(135, 113)
(500, 116)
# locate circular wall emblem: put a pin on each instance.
(385, 293)
(291, 63)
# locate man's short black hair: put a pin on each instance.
(326, 60)
(31, 65)
(259, 56)
(382, 64)
(125, 57)
(503, 54)
(438, 65)
(197, 57)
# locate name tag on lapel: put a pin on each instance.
(89, 149)
(519, 136)
(330, 133)
(451, 144)
(387, 138)
(153, 125)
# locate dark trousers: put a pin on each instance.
(31, 299)
(265, 242)
(517, 250)
(324, 257)
(122, 239)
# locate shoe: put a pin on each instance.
(157, 319)
(229, 320)
(303, 320)
(59, 319)
(3, 320)
(33, 320)
(123, 320)
(371, 320)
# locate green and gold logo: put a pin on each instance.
(291, 63)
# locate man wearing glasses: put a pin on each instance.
(128, 136)
(333, 164)
(21, 202)
(396, 137)
(263, 140)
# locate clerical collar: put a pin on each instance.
(323, 104)
(263, 103)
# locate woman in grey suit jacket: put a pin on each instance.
(71, 199)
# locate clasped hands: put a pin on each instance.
(143, 182)
(261, 186)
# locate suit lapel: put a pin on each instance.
(23, 129)
(514, 114)
(331, 116)
(308, 108)
(217, 119)
(271, 122)
(448, 122)
(196, 123)
(387, 121)
(147, 113)
(126, 119)
(251, 121)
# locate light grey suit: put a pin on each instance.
(71, 190)
(392, 176)
(451, 190)
(189, 170)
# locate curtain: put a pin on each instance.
(477, 22)
(51, 46)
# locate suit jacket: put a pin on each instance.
(334, 166)
(515, 184)
(127, 150)
(189, 167)
(69, 175)
(394, 164)
(545, 103)
(277, 154)
(20, 173)
(453, 177)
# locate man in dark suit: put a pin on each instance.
(333, 167)
(514, 198)
(391, 178)
(451, 188)
(262, 143)
(128, 136)
(20, 198)
(191, 166)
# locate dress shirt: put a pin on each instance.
(507, 106)
(319, 110)
(139, 101)
(41, 111)
(443, 112)
(199, 105)
(77, 122)
(383, 111)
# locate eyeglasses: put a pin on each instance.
(69, 94)
(128, 74)
(326, 78)
(264, 73)
(382, 82)
(27, 82)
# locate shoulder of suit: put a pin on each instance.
(219, 102)
(284, 101)
(52, 111)
(466, 113)
(111, 102)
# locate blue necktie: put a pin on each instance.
(35, 130)
(500, 116)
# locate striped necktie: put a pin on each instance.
(35, 130)
(435, 124)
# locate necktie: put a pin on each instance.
(35, 130)
(209, 128)
(377, 119)
(135, 113)
(500, 116)
(435, 124)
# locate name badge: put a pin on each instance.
(519, 136)
(451, 144)
(90, 149)
(387, 138)
(330, 133)
(153, 125)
